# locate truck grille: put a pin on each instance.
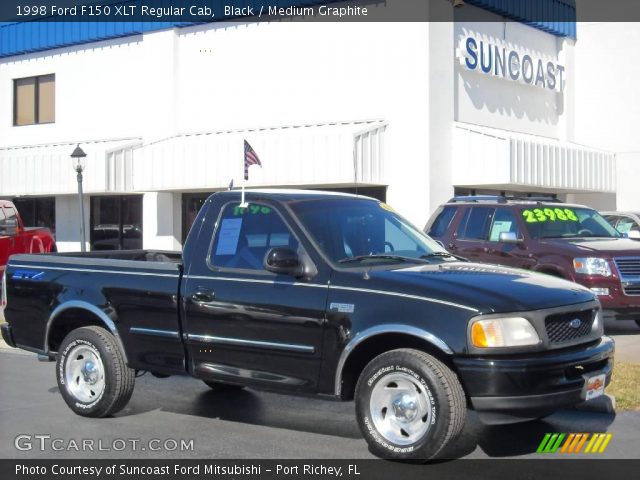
(559, 329)
(628, 267)
(632, 289)
(629, 270)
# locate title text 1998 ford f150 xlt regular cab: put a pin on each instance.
(315, 293)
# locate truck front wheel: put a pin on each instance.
(92, 374)
(409, 405)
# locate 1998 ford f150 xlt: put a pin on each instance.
(315, 293)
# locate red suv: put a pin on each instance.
(569, 241)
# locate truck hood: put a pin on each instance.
(599, 247)
(486, 288)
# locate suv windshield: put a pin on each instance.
(357, 231)
(553, 221)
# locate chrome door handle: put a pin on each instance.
(203, 295)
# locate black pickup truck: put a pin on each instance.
(315, 293)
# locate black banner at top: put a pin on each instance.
(187, 11)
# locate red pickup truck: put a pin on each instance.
(15, 238)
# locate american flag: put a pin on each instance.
(250, 158)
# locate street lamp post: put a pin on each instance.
(78, 157)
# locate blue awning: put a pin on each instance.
(557, 17)
(34, 36)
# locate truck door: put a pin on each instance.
(471, 237)
(243, 323)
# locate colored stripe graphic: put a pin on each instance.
(550, 443)
(574, 443)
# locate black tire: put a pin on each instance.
(222, 387)
(117, 379)
(637, 322)
(434, 383)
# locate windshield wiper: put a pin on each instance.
(437, 254)
(443, 255)
(397, 258)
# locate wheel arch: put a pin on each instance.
(372, 342)
(75, 314)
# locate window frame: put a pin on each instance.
(519, 229)
(36, 106)
(463, 237)
(248, 271)
(440, 215)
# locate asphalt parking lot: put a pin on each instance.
(627, 337)
(247, 424)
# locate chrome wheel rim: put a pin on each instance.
(400, 408)
(84, 373)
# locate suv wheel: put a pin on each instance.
(409, 405)
(92, 375)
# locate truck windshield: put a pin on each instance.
(553, 221)
(358, 231)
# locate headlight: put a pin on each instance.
(503, 332)
(592, 266)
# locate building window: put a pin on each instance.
(34, 100)
(116, 222)
(37, 212)
(191, 204)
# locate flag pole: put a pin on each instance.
(243, 204)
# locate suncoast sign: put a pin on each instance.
(506, 62)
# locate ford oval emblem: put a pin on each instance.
(575, 323)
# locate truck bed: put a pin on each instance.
(133, 292)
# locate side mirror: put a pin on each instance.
(509, 237)
(283, 261)
(633, 234)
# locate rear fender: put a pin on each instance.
(107, 320)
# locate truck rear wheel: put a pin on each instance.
(92, 374)
(409, 405)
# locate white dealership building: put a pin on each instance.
(412, 113)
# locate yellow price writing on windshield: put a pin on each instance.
(549, 214)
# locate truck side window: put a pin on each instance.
(11, 217)
(442, 222)
(503, 221)
(478, 223)
(245, 235)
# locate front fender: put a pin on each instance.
(378, 330)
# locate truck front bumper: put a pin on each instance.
(512, 388)
(7, 336)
